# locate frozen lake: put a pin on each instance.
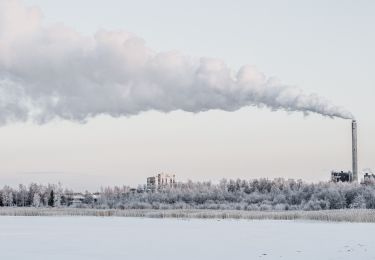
(141, 238)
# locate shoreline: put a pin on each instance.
(345, 215)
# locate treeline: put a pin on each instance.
(259, 194)
(35, 195)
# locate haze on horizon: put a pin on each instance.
(227, 136)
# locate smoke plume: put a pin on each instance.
(54, 72)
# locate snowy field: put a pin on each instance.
(145, 238)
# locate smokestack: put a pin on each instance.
(354, 151)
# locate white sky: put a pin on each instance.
(324, 47)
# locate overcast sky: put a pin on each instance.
(323, 47)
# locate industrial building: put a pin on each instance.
(161, 180)
(369, 178)
(341, 176)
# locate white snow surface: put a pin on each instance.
(143, 238)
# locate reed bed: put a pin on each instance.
(347, 215)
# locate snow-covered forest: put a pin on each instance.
(258, 194)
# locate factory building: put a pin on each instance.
(161, 180)
(369, 178)
(341, 176)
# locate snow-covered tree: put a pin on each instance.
(36, 200)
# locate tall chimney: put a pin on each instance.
(354, 151)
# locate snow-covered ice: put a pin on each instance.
(141, 238)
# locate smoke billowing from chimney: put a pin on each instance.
(49, 72)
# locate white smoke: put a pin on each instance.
(49, 72)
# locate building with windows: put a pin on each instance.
(341, 176)
(369, 178)
(161, 180)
